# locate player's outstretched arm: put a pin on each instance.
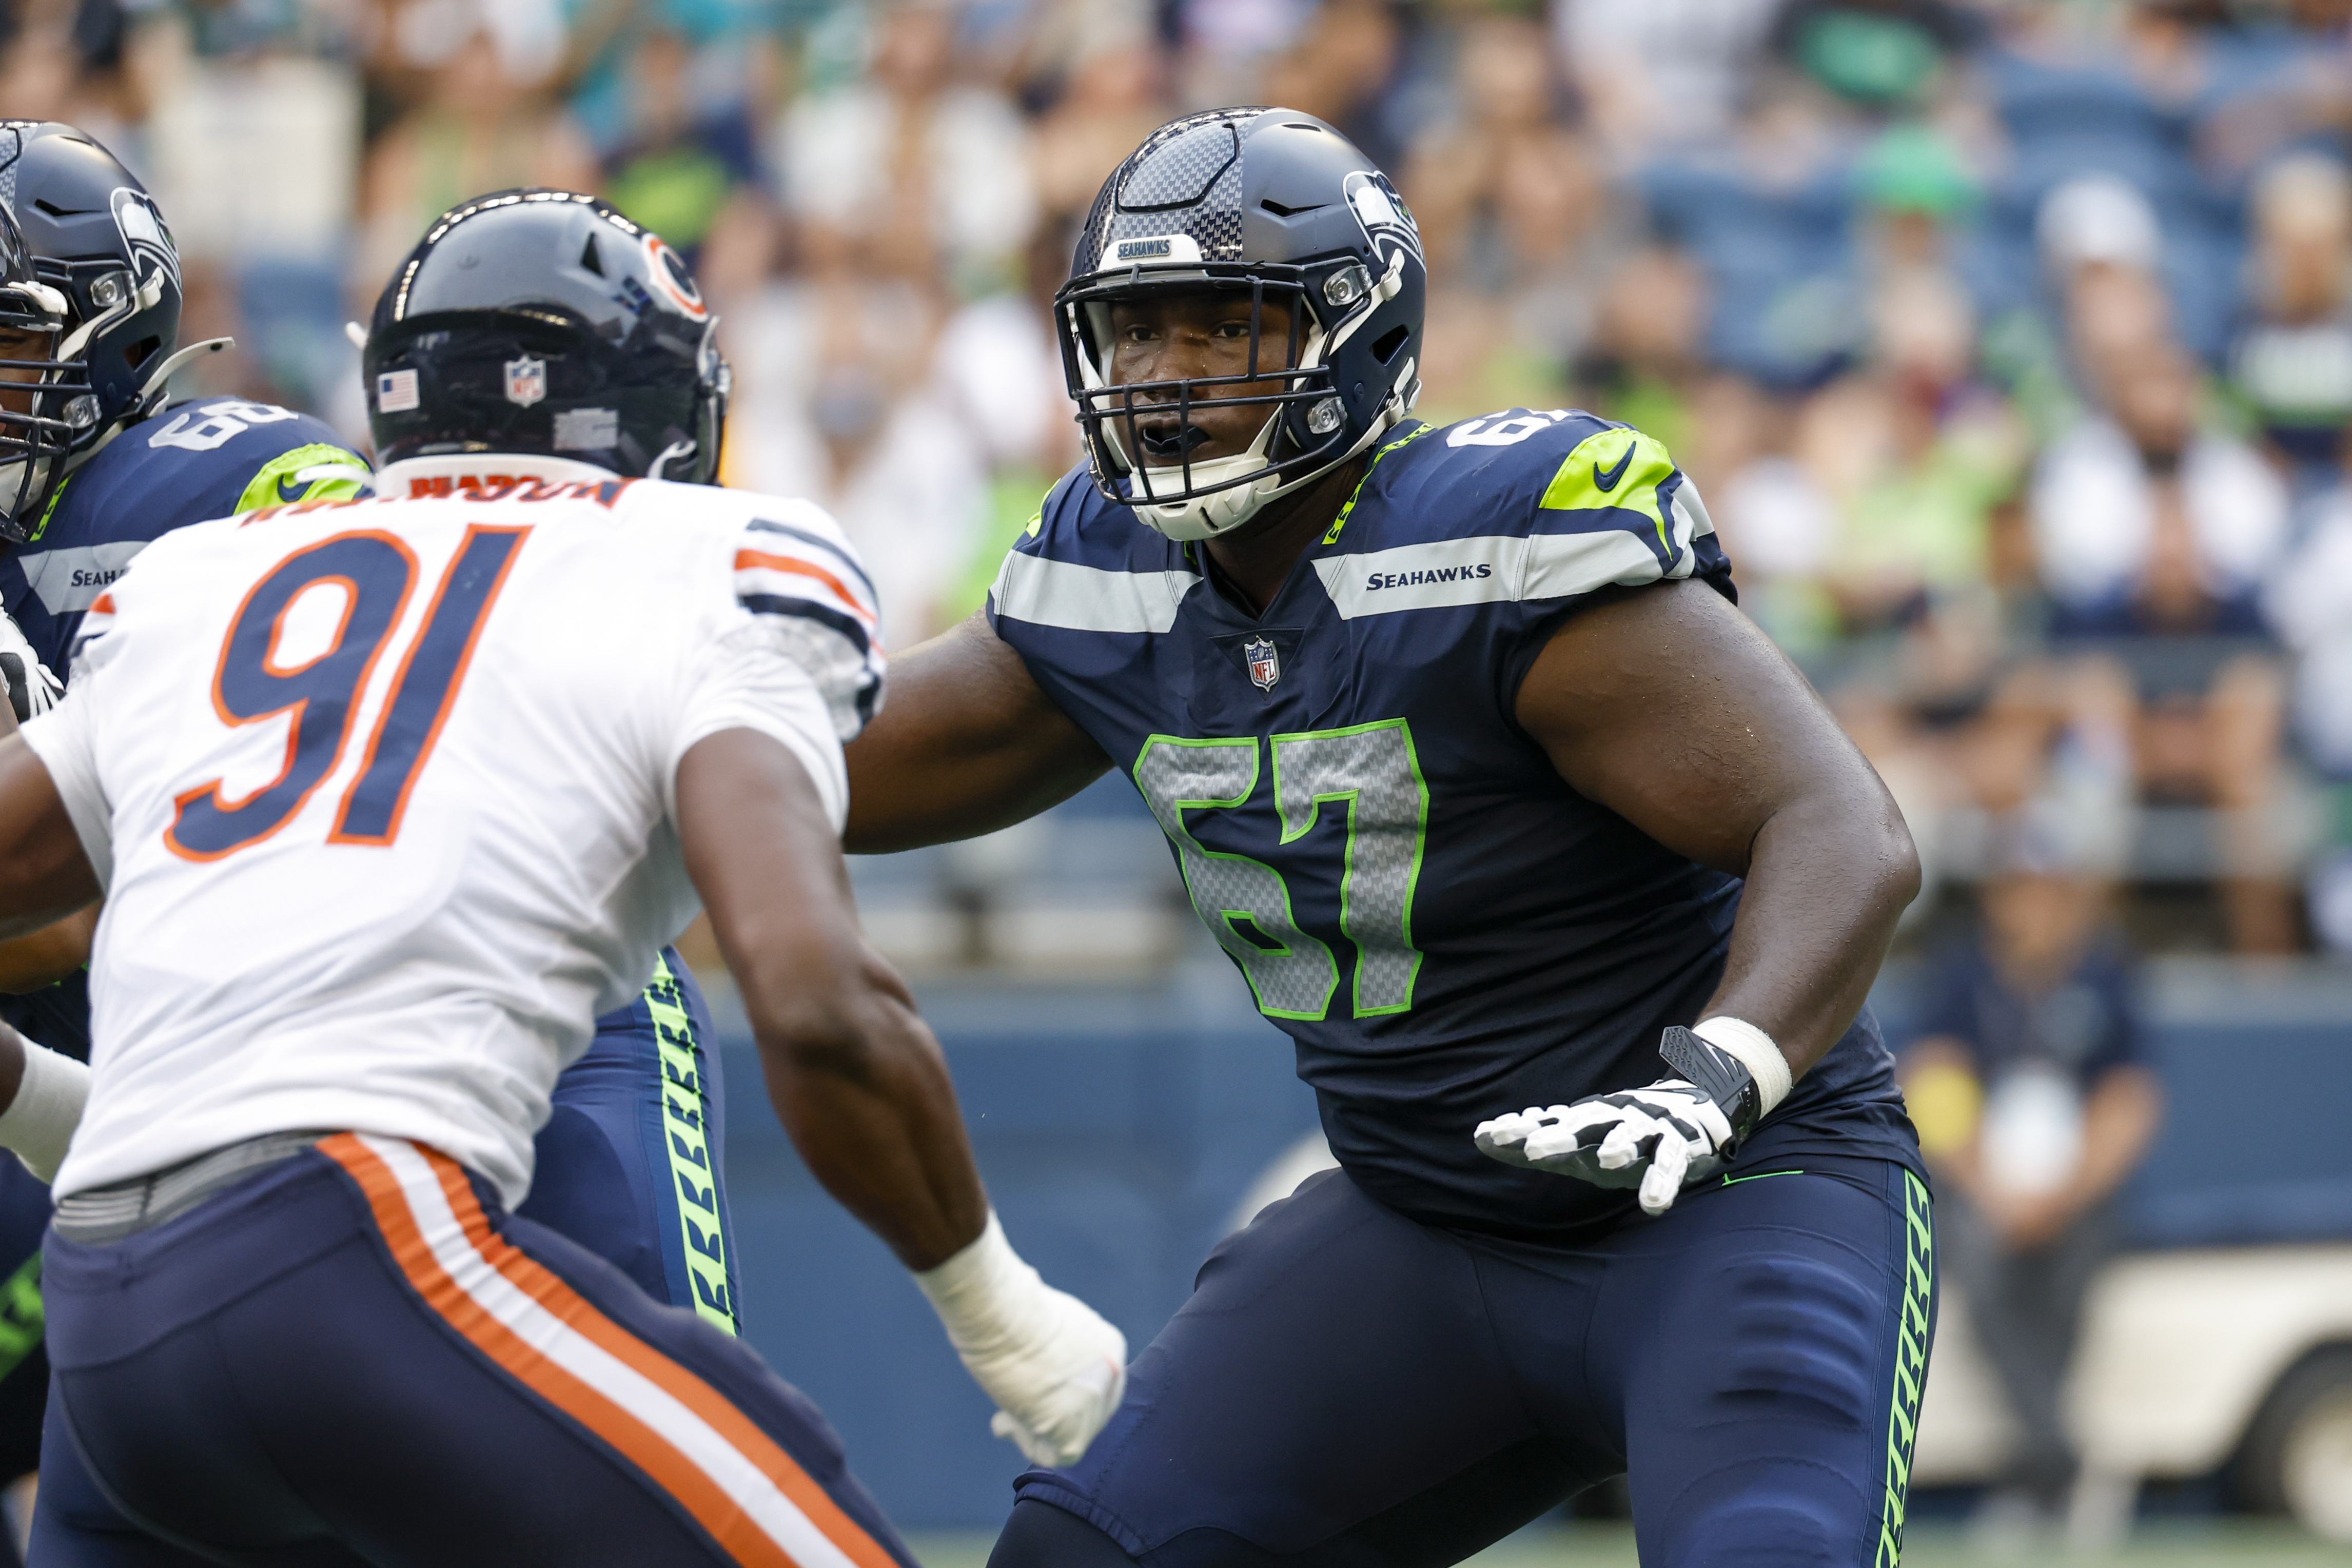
(966, 743)
(860, 1085)
(1669, 707)
(43, 874)
(855, 1076)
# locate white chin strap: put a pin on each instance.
(1222, 512)
(11, 475)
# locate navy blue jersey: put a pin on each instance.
(1444, 927)
(189, 463)
(192, 462)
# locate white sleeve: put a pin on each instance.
(61, 739)
(748, 679)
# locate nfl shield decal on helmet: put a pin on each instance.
(526, 381)
(1265, 664)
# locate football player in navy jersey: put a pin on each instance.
(1564, 881)
(628, 1161)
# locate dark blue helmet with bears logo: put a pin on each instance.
(1277, 205)
(546, 323)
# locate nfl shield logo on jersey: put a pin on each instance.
(526, 381)
(1265, 664)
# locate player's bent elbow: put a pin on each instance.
(1903, 876)
(832, 1021)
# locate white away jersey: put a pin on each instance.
(382, 795)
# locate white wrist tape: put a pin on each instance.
(39, 1122)
(1757, 1053)
(990, 1300)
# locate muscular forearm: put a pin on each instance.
(867, 1097)
(855, 1076)
(1827, 878)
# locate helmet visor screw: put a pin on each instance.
(1344, 288)
(1325, 417)
(106, 292)
(82, 412)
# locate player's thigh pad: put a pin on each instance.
(353, 1346)
(1331, 1388)
(1764, 1345)
(628, 1162)
(75, 1525)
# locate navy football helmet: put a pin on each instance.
(97, 240)
(1277, 205)
(545, 322)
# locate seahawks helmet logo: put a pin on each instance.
(1387, 221)
(148, 242)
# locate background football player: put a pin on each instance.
(412, 956)
(1496, 802)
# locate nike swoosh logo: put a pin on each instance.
(1608, 481)
(301, 487)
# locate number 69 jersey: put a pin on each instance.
(1445, 928)
(381, 794)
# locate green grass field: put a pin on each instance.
(2222, 1543)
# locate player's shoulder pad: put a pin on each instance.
(1089, 564)
(1525, 504)
(796, 574)
(210, 458)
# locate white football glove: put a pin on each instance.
(1055, 1367)
(1659, 1138)
(31, 687)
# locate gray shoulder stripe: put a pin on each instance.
(1087, 598)
(1694, 521)
(72, 578)
(1495, 569)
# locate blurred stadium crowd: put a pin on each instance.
(2010, 341)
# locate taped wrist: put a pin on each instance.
(39, 1122)
(1717, 1074)
(1757, 1051)
(992, 1304)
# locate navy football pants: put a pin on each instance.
(1349, 1387)
(353, 1357)
(626, 1166)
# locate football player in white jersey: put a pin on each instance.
(388, 799)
